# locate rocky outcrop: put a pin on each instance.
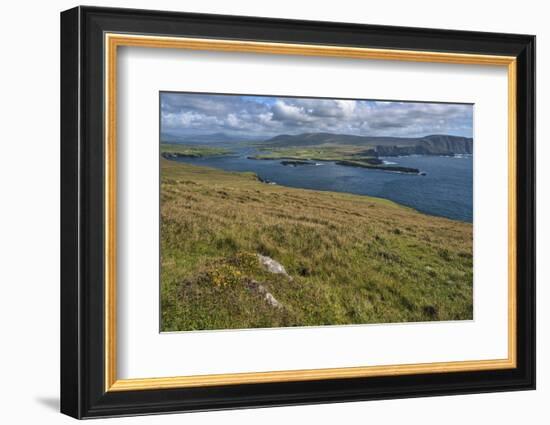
(452, 144)
(176, 155)
(259, 288)
(262, 180)
(394, 168)
(429, 145)
(296, 163)
(272, 266)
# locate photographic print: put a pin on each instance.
(282, 211)
(309, 215)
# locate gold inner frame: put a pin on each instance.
(113, 41)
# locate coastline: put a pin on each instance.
(369, 163)
(265, 181)
(353, 259)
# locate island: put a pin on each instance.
(296, 163)
(348, 156)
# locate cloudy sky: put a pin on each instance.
(184, 114)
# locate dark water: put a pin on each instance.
(445, 190)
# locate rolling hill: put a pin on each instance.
(350, 259)
(435, 144)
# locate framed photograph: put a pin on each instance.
(261, 212)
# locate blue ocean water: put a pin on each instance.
(446, 190)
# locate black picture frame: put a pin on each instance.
(83, 392)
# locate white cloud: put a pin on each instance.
(233, 121)
(261, 116)
(283, 111)
(346, 106)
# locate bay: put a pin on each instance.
(445, 190)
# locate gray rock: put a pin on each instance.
(255, 286)
(273, 266)
(272, 301)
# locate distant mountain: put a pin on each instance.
(201, 138)
(435, 144)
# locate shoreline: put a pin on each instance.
(347, 259)
(343, 162)
(271, 183)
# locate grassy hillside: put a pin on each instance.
(434, 144)
(352, 259)
(191, 150)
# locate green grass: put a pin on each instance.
(318, 153)
(351, 156)
(192, 150)
(354, 259)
